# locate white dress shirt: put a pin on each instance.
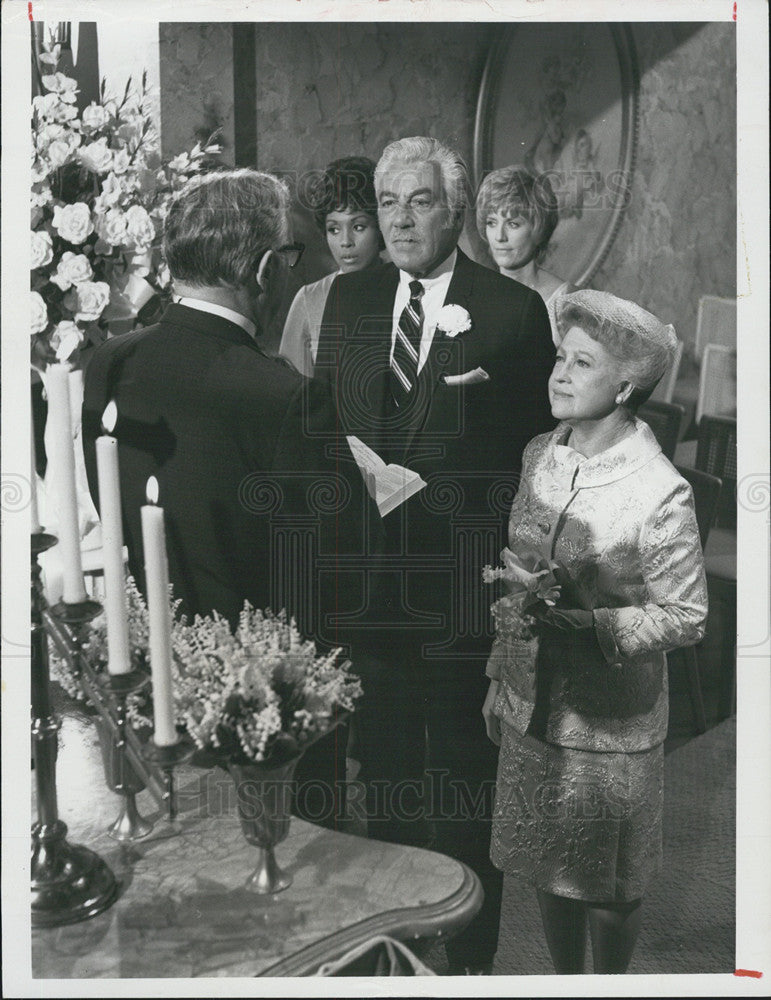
(435, 284)
(217, 310)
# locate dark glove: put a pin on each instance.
(565, 619)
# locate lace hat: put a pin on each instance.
(622, 313)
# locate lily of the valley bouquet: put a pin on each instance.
(261, 692)
(531, 583)
(98, 199)
(257, 693)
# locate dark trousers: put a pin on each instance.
(430, 771)
(320, 781)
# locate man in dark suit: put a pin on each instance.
(257, 506)
(454, 394)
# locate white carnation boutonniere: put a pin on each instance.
(453, 320)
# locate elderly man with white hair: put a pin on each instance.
(440, 365)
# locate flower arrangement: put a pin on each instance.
(532, 582)
(260, 692)
(453, 320)
(255, 693)
(98, 198)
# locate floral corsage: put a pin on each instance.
(453, 320)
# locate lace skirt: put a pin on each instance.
(576, 823)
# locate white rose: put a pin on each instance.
(94, 117)
(66, 337)
(58, 153)
(140, 227)
(112, 227)
(120, 161)
(73, 222)
(73, 269)
(38, 313)
(42, 249)
(452, 320)
(92, 297)
(96, 156)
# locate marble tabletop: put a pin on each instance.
(183, 910)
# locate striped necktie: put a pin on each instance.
(404, 364)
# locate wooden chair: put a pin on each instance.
(716, 454)
(664, 419)
(717, 382)
(715, 323)
(706, 494)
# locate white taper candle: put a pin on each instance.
(157, 583)
(34, 513)
(118, 648)
(62, 461)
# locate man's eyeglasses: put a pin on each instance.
(291, 252)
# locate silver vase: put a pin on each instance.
(265, 793)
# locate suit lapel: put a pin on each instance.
(372, 336)
(442, 356)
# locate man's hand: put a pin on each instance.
(492, 722)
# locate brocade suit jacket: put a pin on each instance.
(256, 504)
(465, 440)
(622, 527)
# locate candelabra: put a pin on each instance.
(130, 765)
(69, 883)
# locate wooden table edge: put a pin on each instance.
(407, 924)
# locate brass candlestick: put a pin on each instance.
(68, 883)
(121, 776)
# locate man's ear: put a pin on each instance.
(265, 270)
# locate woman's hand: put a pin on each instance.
(566, 619)
(492, 722)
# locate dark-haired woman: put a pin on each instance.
(345, 209)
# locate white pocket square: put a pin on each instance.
(467, 378)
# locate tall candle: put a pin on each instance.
(157, 583)
(34, 513)
(62, 462)
(118, 649)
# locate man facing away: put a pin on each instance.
(257, 506)
(454, 395)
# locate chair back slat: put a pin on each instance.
(665, 420)
(717, 382)
(706, 497)
(716, 454)
(715, 323)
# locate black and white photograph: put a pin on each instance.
(393, 447)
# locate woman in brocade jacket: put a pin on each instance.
(581, 711)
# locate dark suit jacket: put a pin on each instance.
(466, 441)
(259, 503)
